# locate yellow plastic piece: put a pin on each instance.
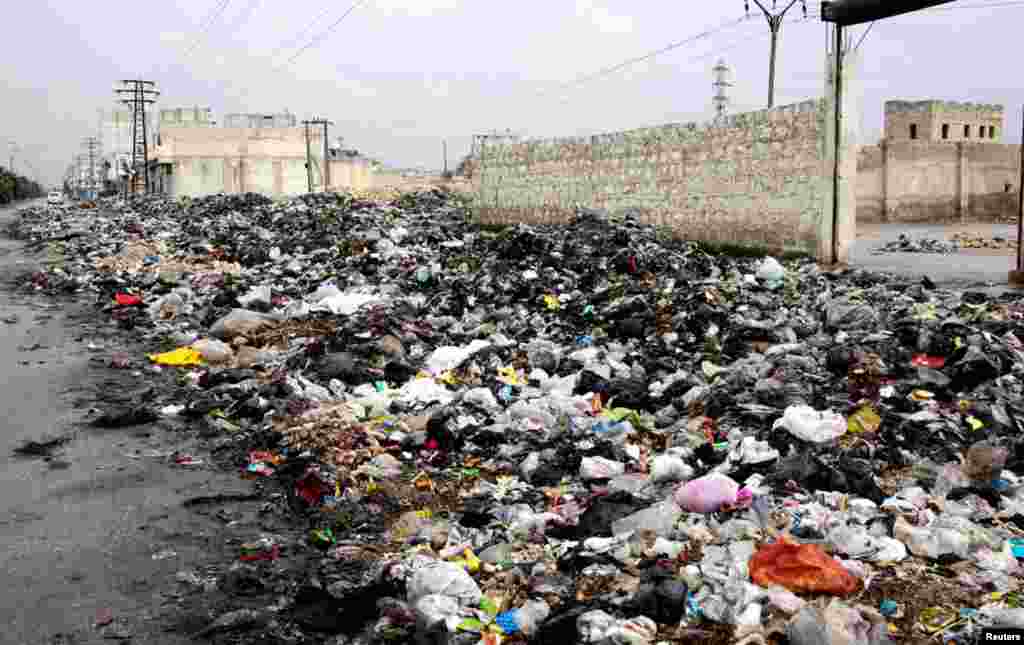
(179, 357)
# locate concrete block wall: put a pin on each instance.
(761, 177)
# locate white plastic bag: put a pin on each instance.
(446, 579)
(668, 468)
(600, 468)
(448, 357)
(808, 424)
(213, 351)
(256, 297)
(771, 272)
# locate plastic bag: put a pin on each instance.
(985, 462)
(864, 420)
(668, 468)
(710, 493)
(241, 322)
(127, 299)
(257, 297)
(446, 579)
(771, 272)
(448, 357)
(800, 568)
(180, 357)
(436, 608)
(837, 624)
(600, 468)
(524, 620)
(660, 518)
(213, 351)
(808, 424)
(593, 626)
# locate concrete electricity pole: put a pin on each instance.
(774, 24)
(325, 172)
(309, 168)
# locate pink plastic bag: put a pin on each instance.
(708, 494)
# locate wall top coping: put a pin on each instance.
(741, 120)
(934, 105)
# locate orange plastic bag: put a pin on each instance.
(800, 567)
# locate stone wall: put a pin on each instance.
(762, 177)
(924, 181)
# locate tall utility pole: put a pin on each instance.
(138, 94)
(92, 145)
(325, 172)
(309, 167)
(774, 24)
(444, 148)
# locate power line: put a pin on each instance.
(212, 17)
(302, 34)
(245, 16)
(610, 70)
(316, 40)
(647, 56)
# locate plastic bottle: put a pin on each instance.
(525, 619)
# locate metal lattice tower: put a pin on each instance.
(138, 95)
(92, 146)
(721, 100)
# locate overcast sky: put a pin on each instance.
(399, 76)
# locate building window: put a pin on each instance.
(945, 130)
(967, 132)
(913, 130)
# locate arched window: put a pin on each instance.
(913, 130)
(945, 130)
(967, 132)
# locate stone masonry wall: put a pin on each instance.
(761, 177)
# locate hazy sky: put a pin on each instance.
(399, 76)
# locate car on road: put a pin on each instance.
(55, 197)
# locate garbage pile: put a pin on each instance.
(922, 245)
(575, 434)
(970, 241)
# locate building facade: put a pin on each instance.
(943, 121)
(193, 162)
(195, 117)
(282, 120)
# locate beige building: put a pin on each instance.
(943, 121)
(197, 161)
(195, 117)
(939, 161)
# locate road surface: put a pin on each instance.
(80, 531)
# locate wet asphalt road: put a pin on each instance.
(79, 532)
(954, 269)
